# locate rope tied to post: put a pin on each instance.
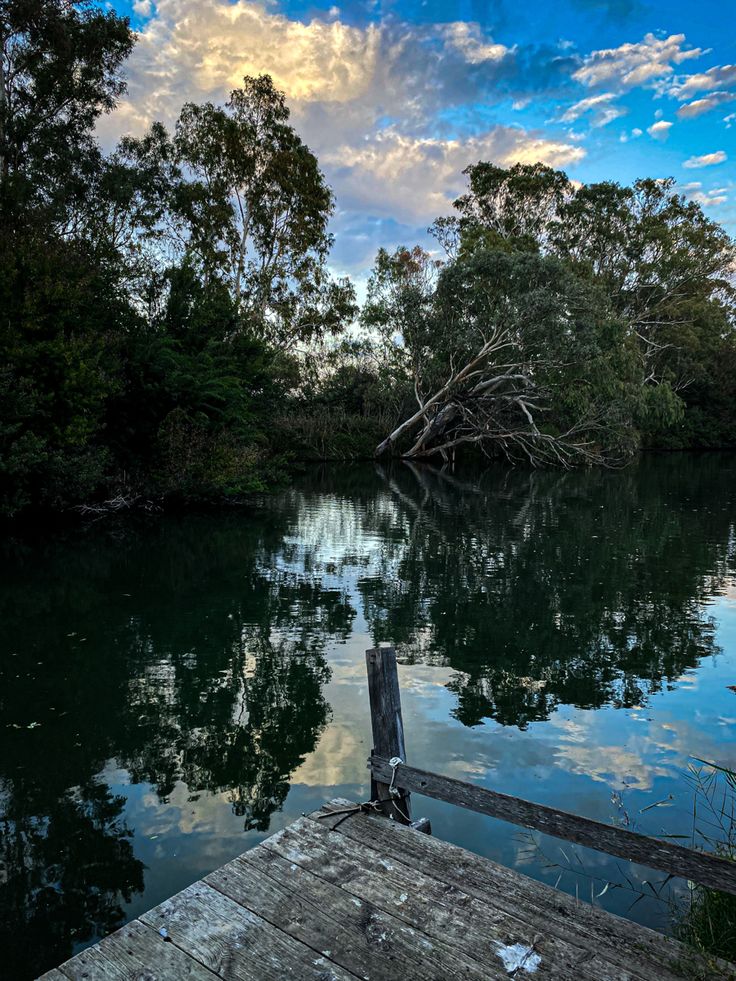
(365, 808)
(374, 806)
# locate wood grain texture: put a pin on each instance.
(444, 912)
(541, 906)
(654, 853)
(135, 953)
(387, 726)
(357, 935)
(336, 897)
(235, 943)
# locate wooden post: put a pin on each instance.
(387, 725)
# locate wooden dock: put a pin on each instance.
(336, 897)
(358, 891)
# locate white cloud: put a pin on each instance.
(599, 106)
(363, 98)
(659, 130)
(636, 64)
(706, 160)
(711, 198)
(468, 40)
(696, 108)
(144, 8)
(720, 77)
(414, 179)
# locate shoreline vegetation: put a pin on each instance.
(173, 503)
(172, 331)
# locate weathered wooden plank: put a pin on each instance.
(387, 726)
(478, 929)
(543, 907)
(357, 935)
(93, 965)
(54, 975)
(135, 953)
(654, 853)
(235, 943)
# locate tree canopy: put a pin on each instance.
(564, 322)
(172, 329)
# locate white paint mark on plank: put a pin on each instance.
(518, 957)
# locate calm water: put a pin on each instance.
(171, 690)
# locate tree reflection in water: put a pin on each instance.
(546, 588)
(192, 653)
(181, 654)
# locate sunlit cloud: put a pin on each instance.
(636, 64)
(719, 77)
(395, 110)
(413, 178)
(713, 198)
(660, 130)
(698, 106)
(366, 99)
(706, 160)
(350, 76)
(599, 107)
(468, 39)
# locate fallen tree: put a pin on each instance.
(567, 321)
(544, 383)
(492, 405)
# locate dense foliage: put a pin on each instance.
(154, 299)
(170, 327)
(567, 322)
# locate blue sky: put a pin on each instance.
(396, 98)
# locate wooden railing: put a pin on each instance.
(392, 784)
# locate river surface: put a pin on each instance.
(173, 689)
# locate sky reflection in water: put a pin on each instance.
(171, 691)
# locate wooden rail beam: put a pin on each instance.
(655, 853)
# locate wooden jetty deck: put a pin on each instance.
(357, 891)
(336, 897)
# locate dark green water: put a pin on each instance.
(173, 689)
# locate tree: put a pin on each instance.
(510, 352)
(59, 70)
(249, 205)
(665, 268)
(566, 321)
(59, 291)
